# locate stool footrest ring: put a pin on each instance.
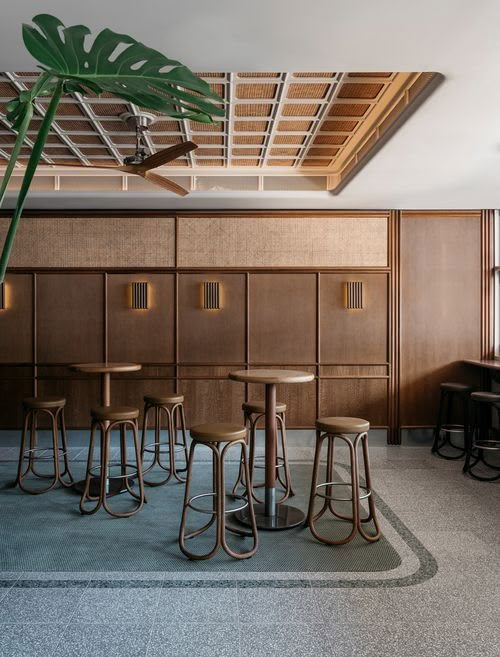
(213, 513)
(452, 428)
(131, 470)
(280, 462)
(493, 445)
(367, 493)
(178, 447)
(49, 457)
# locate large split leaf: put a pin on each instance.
(119, 64)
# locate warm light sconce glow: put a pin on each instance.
(140, 295)
(353, 295)
(211, 295)
(3, 299)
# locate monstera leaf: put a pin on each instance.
(119, 64)
(115, 63)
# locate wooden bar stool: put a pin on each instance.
(452, 394)
(483, 437)
(173, 408)
(105, 419)
(54, 408)
(220, 439)
(252, 413)
(329, 429)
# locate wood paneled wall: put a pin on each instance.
(422, 277)
(441, 281)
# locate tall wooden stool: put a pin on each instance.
(330, 429)
(220, 439)
(54, 408)
(105, 419)
(252, 413)
(483, 437)
(452, 394)
(172, 406)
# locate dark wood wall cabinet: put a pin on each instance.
(380, 326)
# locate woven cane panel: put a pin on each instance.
(262, 109)
(335, 241)
(93, 242)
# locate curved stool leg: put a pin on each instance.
(183, 536)
(55, 476)
(311, 516)
(439, 422)
(147, 408)
(285, 481)
(222, 506)
(173, 442)
(138, 460)
(372, 515)
(329, 477)
(174, 417)
(64, 442)
(183, 443)
(22, 448)
(247, 421)
(104, 472)
(33, 444)
(90, 459)
(354, 494)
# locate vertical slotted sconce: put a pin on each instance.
(3, 303)
(140, 295)
(353, 295)
(211, 295)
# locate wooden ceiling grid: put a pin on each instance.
(309, 123)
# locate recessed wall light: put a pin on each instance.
(140, 295)
(353, 295)
(211, 295)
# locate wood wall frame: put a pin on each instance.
(359, 385)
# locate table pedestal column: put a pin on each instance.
(270, 453)
(271, 515)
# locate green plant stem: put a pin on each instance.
(23, 129)
(41, 83)
(28, 177)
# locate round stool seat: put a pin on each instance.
(44, 402)
(457, 387)
(218, 432)
(342, 424)
(115, 413)
(260, 407)
(489, 397)
(163, 400)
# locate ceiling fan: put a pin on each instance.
(141, 162)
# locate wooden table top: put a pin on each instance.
(271, 376)
(104, 368)
(491, 364)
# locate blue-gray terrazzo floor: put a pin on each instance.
(48, 533)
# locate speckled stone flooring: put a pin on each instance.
(454, 613)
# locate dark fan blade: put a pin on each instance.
(167, 155)
(165, 183)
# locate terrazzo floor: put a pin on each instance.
(454, 613)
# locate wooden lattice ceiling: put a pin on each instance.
(311, 123)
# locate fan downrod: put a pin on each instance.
(139, 122)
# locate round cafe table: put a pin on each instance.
(271, 515)
(113, 486)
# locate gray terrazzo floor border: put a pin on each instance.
(417, 566)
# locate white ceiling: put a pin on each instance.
(447, 155)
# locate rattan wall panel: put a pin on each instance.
(93, 242)
(282, 241)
